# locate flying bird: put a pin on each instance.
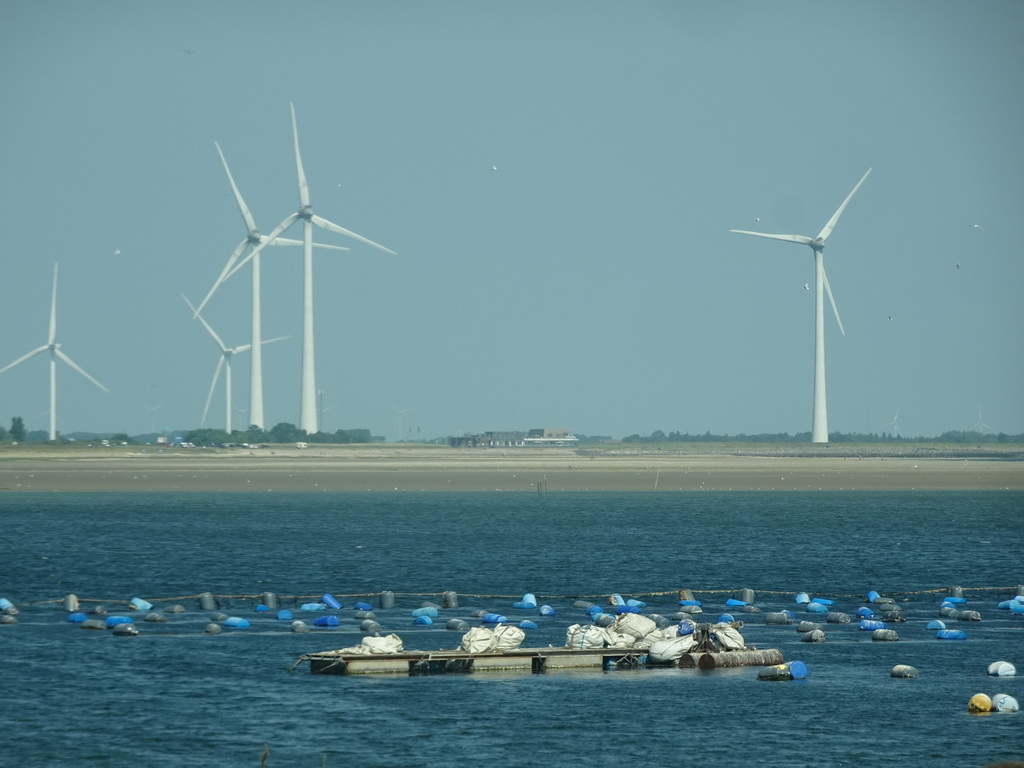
(978, 226)
(807, 286)
(756, 218)
(117, 252)
(494, 167)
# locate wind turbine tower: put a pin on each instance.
(53, 347)
(819, 420)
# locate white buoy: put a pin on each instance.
(1002, 669)
(1004, 702)
(904, 671)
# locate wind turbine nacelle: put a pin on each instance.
(818, 244)
(254, 237)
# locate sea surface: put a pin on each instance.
(177, 696)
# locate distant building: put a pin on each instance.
(554, 437)
(535, 437)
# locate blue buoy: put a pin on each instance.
(690, 602)
(5, 604)
(620, 609)
(326, 621)
(363, 607)
(955, 600)
(617, 600)
(423, 619)
(813, 607)
(869, 624)
(312, 607)
(873, 596)
(429, 612)
(594, 610)
(522, 605)
(1016, 606)
(865, 613)
(823, 601)
(734, 603)
(494, 618)
(547, 610)
(951, 634)
(802, 598)
(284, 615)
(936, 624)
(330, 602)
(527, 625)
(113, 621)
(686, 627)
(236, 621)
(636, 603)
(138, 604)
(725, 618)
(261, 608)
(77, 618)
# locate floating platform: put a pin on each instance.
(534, 660)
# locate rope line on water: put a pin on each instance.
(492, 596)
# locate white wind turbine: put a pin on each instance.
(226, 353)
(819, 421)
(252, 239)
(981, 426)
(895, 426)
(307, 401)
(53, 347)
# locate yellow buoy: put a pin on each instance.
(979, 703)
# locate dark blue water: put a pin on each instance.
(174, 696)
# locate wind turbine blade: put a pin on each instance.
(280, 241)
(835, 309)
(303, 186)
(223, 276)
(277, 338)
(23, 358)
(823, 235)
(246, 213)
(53, 308)
(291, 219)
(323, 223)
(802, 239)
(59, 353)
(213, 386)
(206, 325)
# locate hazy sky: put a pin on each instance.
(590, 282)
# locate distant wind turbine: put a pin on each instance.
(981, 426)
(226, 353)
(819, 420)
(252, 239)
(53, 347)
(893, 424)
(399, 412)
(307, 402)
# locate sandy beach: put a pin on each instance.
(429, 468)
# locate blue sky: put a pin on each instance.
(590, 282)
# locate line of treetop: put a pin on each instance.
(289, 433)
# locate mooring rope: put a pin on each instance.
(497, 596)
